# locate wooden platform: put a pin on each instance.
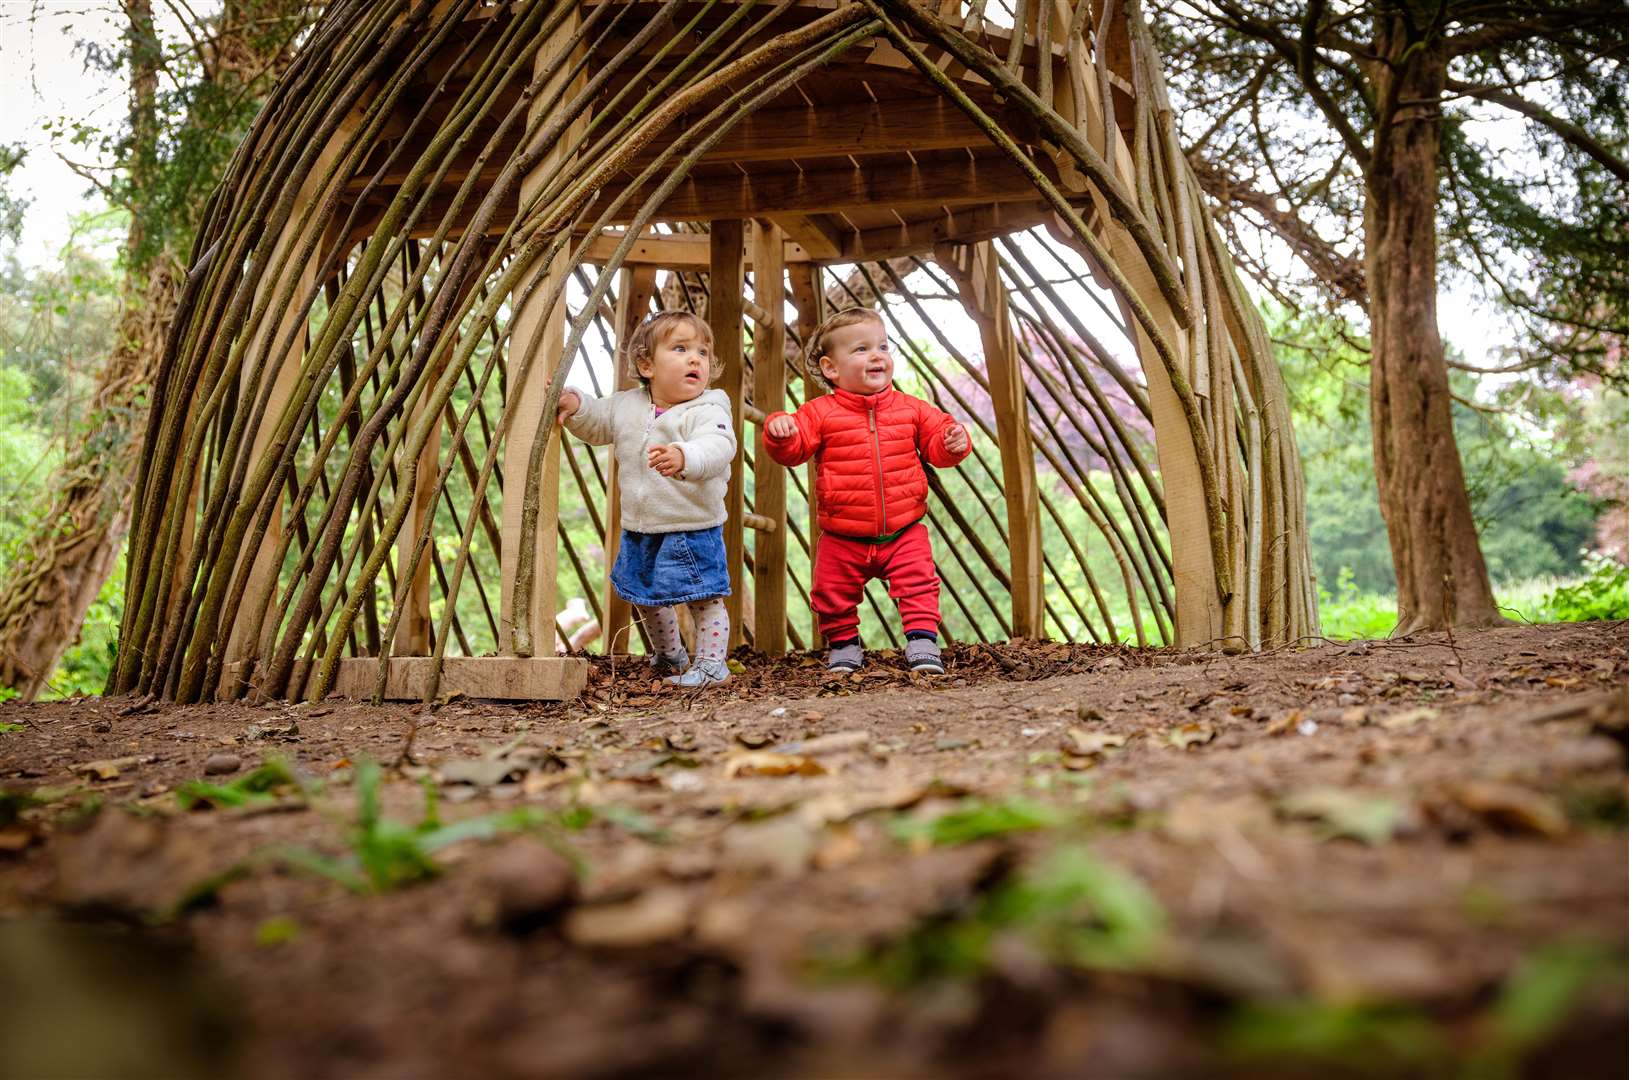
(503, 678)
(506, 678)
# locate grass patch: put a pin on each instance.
(1383, 1038)
(261, 787)
(1602, 594)
(1074, 908)
(384, 854)
(975, 820)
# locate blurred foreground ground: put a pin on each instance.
(1392, 858)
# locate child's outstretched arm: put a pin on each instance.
(791, 438)
(709, 443)
(941, 438)
(590, 421)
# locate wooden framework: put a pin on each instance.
(443, 207)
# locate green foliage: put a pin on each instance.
(384, 854)
(1531, 520)
(7, 728)
(262, 786)
(86, 665)
(277, 930)
(1353, 614)
(1604, 594)
(1381, 1038)
(1371, 1036)
(976, 820)
(1074, 908)
(1539, 996)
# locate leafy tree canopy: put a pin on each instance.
(1282, 111)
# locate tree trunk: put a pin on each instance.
(44, 596)
(1442, 580)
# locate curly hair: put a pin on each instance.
(655, 330)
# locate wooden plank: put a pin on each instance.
(507, 678)
(977, 273)
(724, 315)
(814, 233)
(962, 224)
(769, 478)
(807, 131)
(810, 303)
(672, 252)
(771, 134)
(533, 324)
(899, 185)
(413, 631)
(635, 287)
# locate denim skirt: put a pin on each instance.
(661, 569)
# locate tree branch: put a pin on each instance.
(1568, 131)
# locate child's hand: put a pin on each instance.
(667, 459)
(782, 427)
(956, 438)
(570, 402)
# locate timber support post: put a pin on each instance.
(724, 309)
(635, 288)
(769, 478)
(810, 303)
(977, 272)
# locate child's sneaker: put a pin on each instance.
(923, 655)
(849, 657)
(703, 672)
(664, 665)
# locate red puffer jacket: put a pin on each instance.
(871, 481)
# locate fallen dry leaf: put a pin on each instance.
(836, 743)
(1511, 806)
(769, 763)
(1190, 735)
(1402, 721)
(1343, 813)
(1090, 743)
(109, 769)
(653, 916)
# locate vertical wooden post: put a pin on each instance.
(977, 273)
(634, 291)
(724, 316)
(810, 303)
(547, 329)
(413, 632)
(769, 478)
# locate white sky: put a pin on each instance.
(44, 77)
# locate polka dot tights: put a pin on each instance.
(712, 629)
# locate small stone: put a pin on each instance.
(523, 884)
(101, 727)
(221, 764)
(655, 916)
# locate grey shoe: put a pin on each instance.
(850, 657)
(923, 655)
(703, 672)
(663, 665)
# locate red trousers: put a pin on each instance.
(843, 566)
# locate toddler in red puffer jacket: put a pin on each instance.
(869, 441)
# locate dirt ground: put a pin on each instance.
(1398, 858)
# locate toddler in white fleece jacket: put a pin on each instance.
(674, 445)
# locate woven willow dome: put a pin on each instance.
(448, 210)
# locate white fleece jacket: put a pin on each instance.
(651, 502)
